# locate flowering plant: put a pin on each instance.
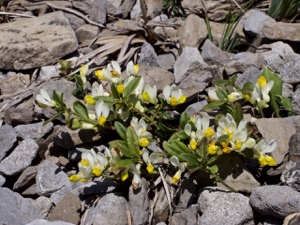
(141, 119)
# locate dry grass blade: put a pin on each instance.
(129, 55)
(16, 14)
(162, 24)
(125, 47)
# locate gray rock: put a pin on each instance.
(161, 207)
(20, 158)
(104, 211)
(148, 55)
(136, 12)
(214, 55)
(195, 107)
(26, 178)
(196, 81)
(193, 31)
(15, 209)
(219, 207)
(166, 60)
(287, 90)
(46, 222)
(186, 195)
(270, 220)
(75, 21)
(34, 130)
(294, 148)
(188, 61)
(98, 11)
(250, 75)
(13, 83)
(282, 31)
(21, 113)
(290, 70)
(239, 62)
(156, 76)
(50, 178)
(234, 173)
(36, 42)
(189, 216)
(2, 180)
(293, 219)
(277, 201)
(86, 33)
(290, 175)
(68, 210)
(276, 55)
(154, 8)
(98, 186)
(8, 137)
(48, 72)
(255, 21)
(43, 206)
(139, 204)
(280, 129)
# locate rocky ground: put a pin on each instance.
(35, 160)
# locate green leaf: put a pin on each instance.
(203, 148)
(180, 135)
(173, 150)
(123, 147)
(80, 109)
(285, 103)
(213, 105)
(221, 82)
(114, 91)
(248, 88)
(106, 99)
(130, 88)
(221, 93)
(276, 89)
(237, 112)
(52, 118)
(191, 159)
(184, 118)
(79, 81)
(121, 130)
(121, 165)
(214, 169)
(182, 146)
(133, 141)
(222, 138)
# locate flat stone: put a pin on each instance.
(7, 139)
(46, 222)
(50, 178)
(2, 180)
(282, 31)
(26, 179)
(277, 201)
(219, 207)
(15, 209)
(98, 186)
(20, 158)
(36, 42)
(68, 210)
(43, 206)
(34, 130)
(188, 216)
(193, 31)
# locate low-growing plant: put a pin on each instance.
(284, 10)
(140, 117)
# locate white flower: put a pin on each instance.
(44, 100)
(91, 165)
(212, 95)
(136, 171)
(263, 147)
(150, 94)
(112, 73)
(140, 128)
(83, 72)
(97, 90)
(151, 160)
(260, 93)
(173, 95)
(113, 155)
(203, 130)
(132, 69)
(102, 112)
(235, 95)
(181, 168)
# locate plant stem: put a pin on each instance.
(222, 182)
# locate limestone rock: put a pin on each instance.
(20, 158)
(43, 206)
(282, 31)
(7, 139)
(35, 42)
(34, 130)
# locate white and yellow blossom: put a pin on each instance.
(91, 165)
(97, 90)
(235, 96)
(136, 171)
(132, 70)
(181, 168)
(112, 73)
(151, 159)
(263, 147)
(140, 128)
(173, 95)
(260, 94)
(212, 95)
(149, 94)
(44, 100)
(102, 112)
(83, 72)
